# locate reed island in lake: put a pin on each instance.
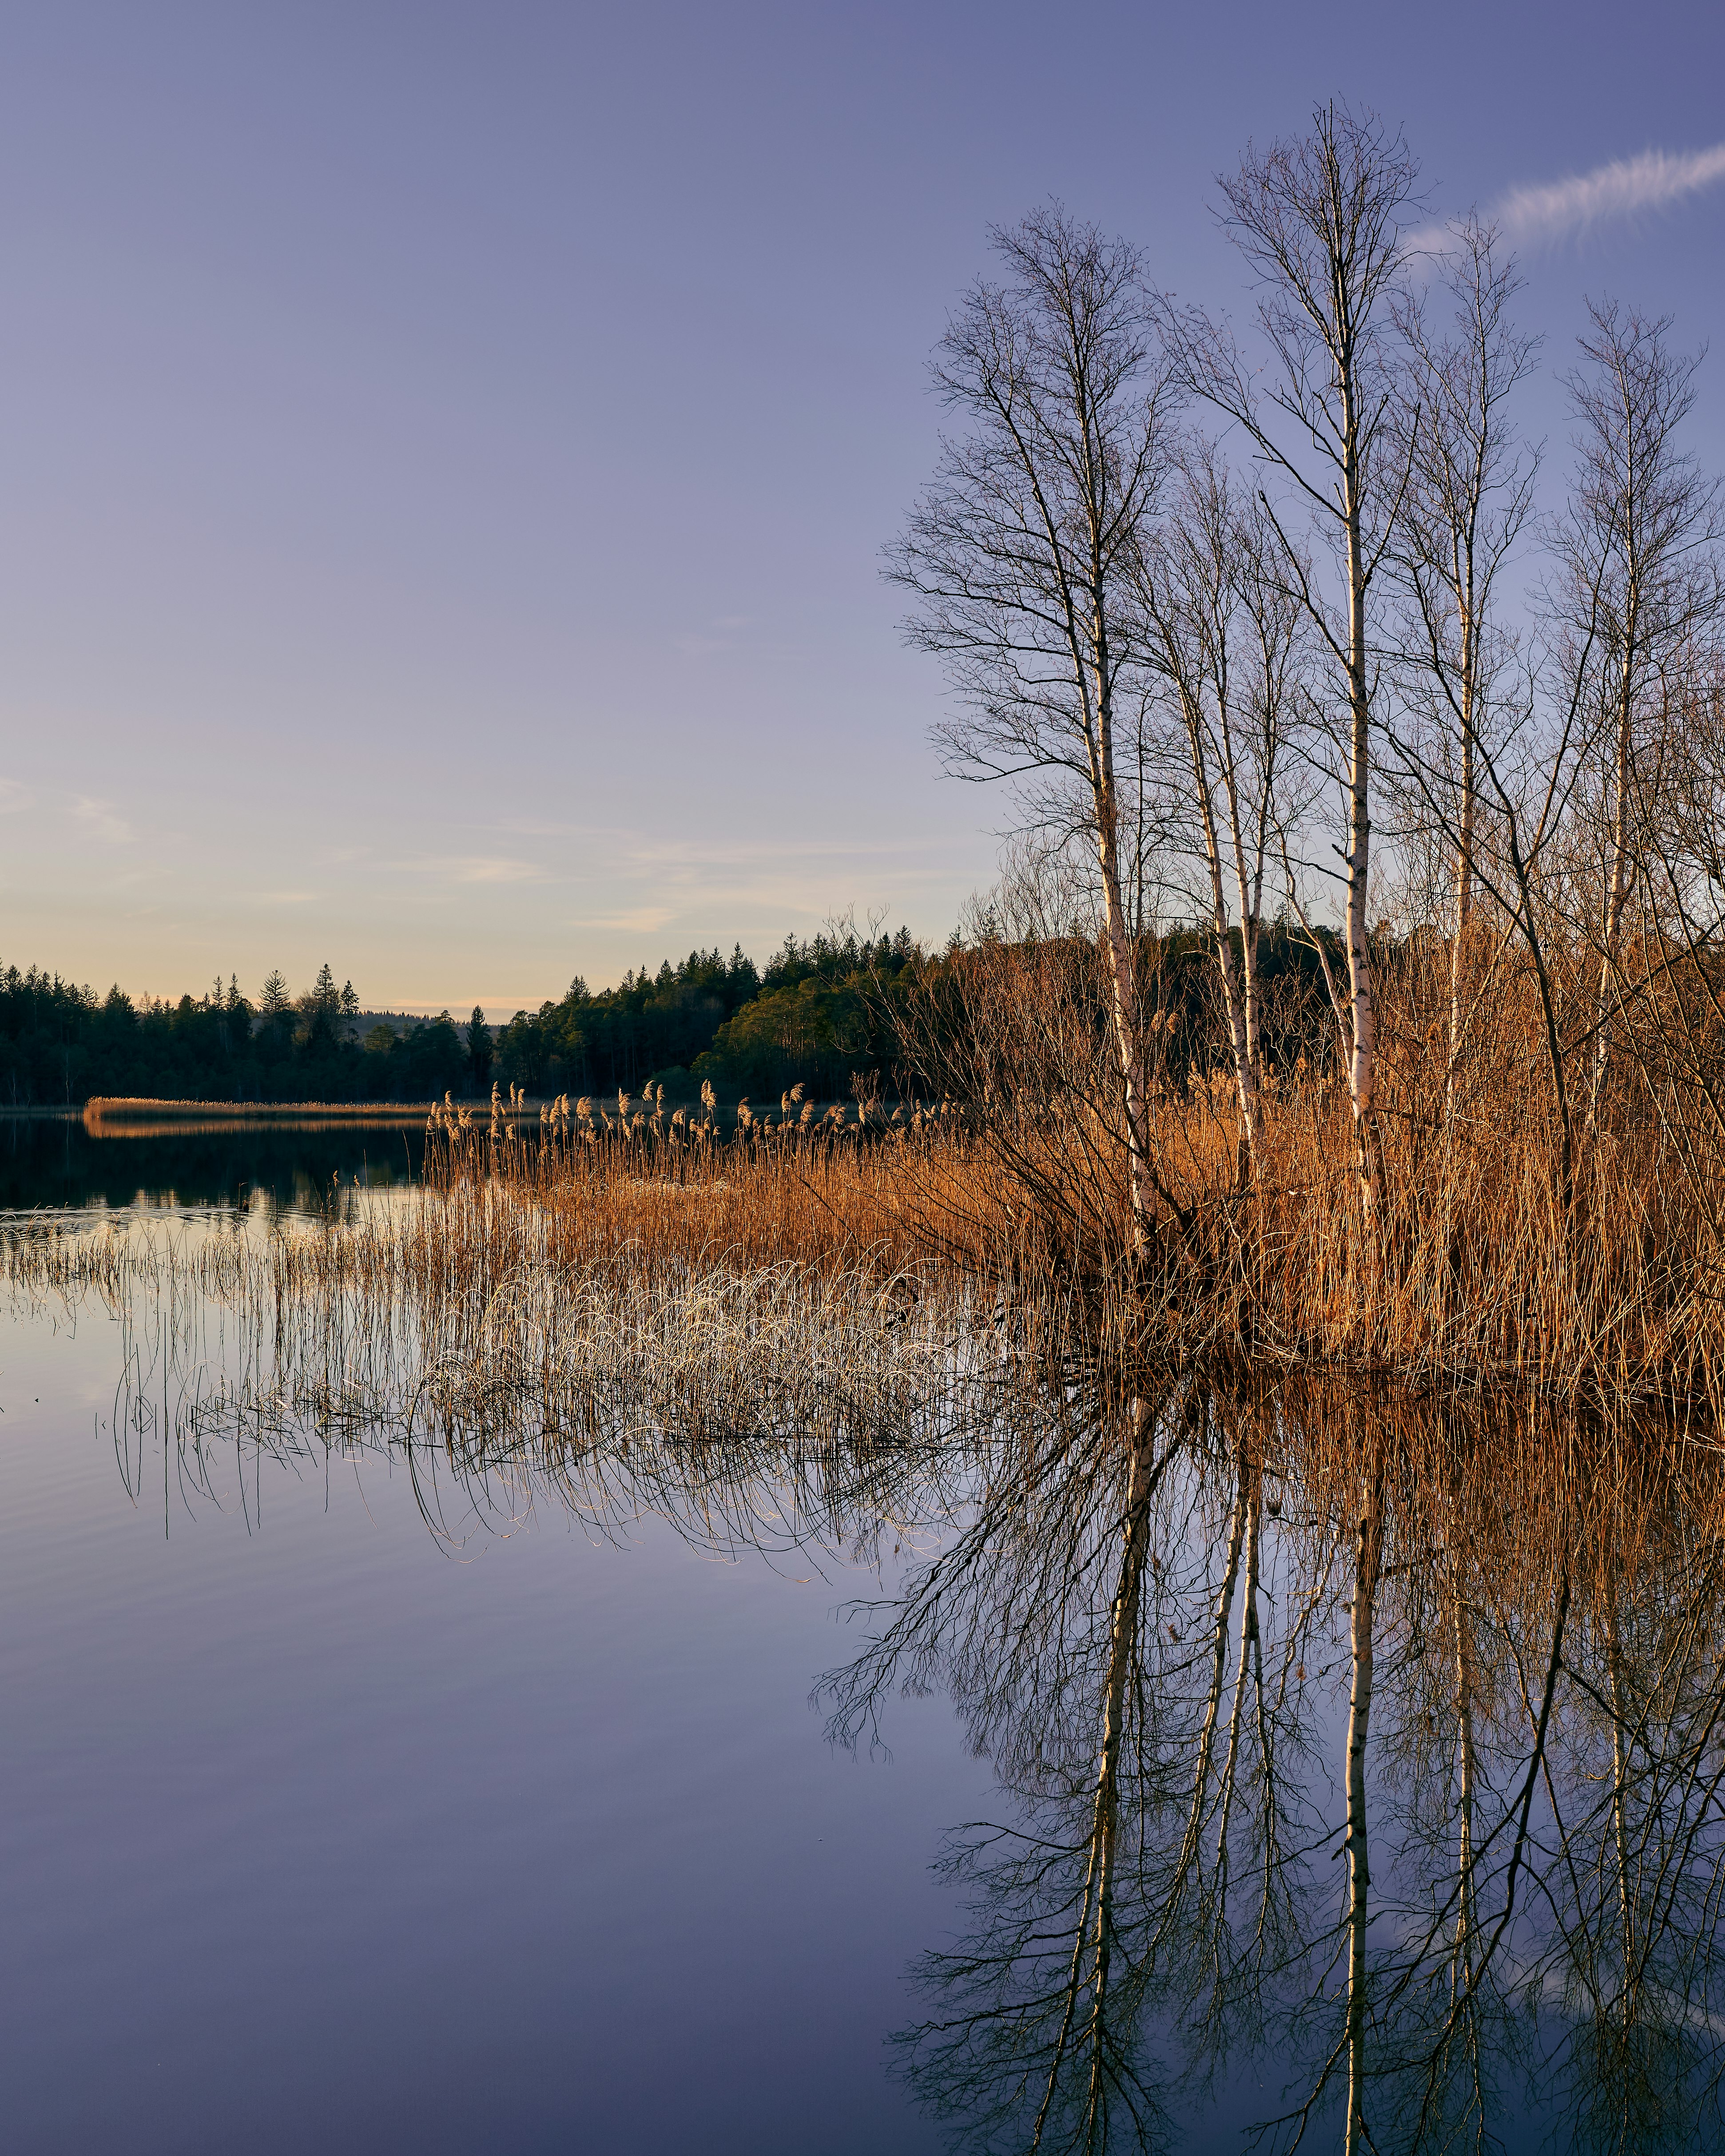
(1264, 1278)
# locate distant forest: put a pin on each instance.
(811, 1014)
(821, 1014)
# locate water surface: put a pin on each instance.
(46, 1164)
(503, 1762)
(320, 1833)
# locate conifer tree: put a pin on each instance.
(478, 1049)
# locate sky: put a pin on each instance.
(445, 452)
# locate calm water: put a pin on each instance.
(323, 1830)
(317, 1834)
(52, 1164)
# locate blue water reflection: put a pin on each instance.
(318, 1836)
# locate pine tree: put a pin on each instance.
(478, 1049)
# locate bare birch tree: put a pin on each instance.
(1225, 636)
(1469, 499)
(1019, 558)
(1636, 582)
(1318, 220)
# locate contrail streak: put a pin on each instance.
(1627, 185)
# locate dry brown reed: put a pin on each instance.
(641, 1187)
(1488, 1271)
(478, 1335)
(1490, 1265)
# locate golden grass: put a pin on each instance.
(1473, 1281)
(1498, 1254)
(1473, 1277)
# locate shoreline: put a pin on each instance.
(109, 1114)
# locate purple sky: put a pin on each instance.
(444, 452)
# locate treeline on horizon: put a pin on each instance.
(827, 1013)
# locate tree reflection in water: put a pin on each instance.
(1378, 1748)
(1382, 1748)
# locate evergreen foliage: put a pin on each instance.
(60, 1044)
(822, 1012)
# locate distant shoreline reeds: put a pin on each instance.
(176, 1116)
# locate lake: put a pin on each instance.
(50, 1163)
(322, 1833)
(371, 1787)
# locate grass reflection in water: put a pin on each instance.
(1373, 1743)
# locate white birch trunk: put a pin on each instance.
(1464, 854)
(1129, 1035)
(1238, 1000)
(1249, 1061)
(1617, 882)
(1122, 956)
(1361, 1062)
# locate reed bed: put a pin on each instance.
(1476, 1277)
(495, 1323)
(739, 1192)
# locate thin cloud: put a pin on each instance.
(489, 868)
(659, 856)
(1624, 188)
(102, 818)
(637, 921)
(536, 827)
(470, 868)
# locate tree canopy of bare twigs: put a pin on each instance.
(1019, 557)
(1318, 220)
(1634, 593)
